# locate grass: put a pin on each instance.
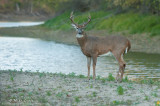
(94, 94)
(48, 93)
(116, 102)
(102, 79)
(91, 86)
(126, 79)
(81, 76)
(155, 94)
(62, 22)
(110, 77)
(120, 90)
(42, 99)
(72, 74)
(11, 78)
(133, 23)
(60, 93)
(77, 99)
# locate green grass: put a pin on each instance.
(102, 79)
(110, 77)
(77, 99)
(117, 103)
(134, 23)
(59, 94)
(48, 93)
(146, 98)
(72, 74)
(120, 90)
(42, 100)
(94, 94)
(81, 76)
(126, 79)
(62, 22)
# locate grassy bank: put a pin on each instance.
(23, 17)
(133, 23)
(26, 88)
(138, 28)
(139, 42)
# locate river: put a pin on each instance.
(47, 56)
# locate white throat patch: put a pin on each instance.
(79, 35)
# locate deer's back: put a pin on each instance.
(101, 45)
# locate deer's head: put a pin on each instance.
(79, 28)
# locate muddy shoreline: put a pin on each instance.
(27, 88)
(23, 17)
(139, 43)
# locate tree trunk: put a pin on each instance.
(17, 8)
(31, 8)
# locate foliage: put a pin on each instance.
(48, 93)
(131, 22)
(72, 74)
(120, 90)
(145, 6)
(62, 22)
(77, 99)
(110, 77)
(59, 6)
(126, 79)
(117, 103)
(94, 94)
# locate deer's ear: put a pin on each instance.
(74, 26)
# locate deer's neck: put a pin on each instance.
(81, 38)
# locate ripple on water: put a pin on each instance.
(48, 56)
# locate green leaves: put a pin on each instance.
(120, 90)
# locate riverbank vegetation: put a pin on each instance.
(132, 16)
(41, 88)
(59, 6)
(133, 23)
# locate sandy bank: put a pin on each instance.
(26, 88)
(139, 43)
(23, 17)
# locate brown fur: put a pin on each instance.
(92, 47)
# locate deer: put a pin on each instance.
(95, 46)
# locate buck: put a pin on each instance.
(93, 46)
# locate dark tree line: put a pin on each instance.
(36, 7)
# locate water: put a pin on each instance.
(17, 24)
(48, 56)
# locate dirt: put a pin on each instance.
(23, 17)
(139, 43)
(26, 88)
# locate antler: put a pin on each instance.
(71, 18)
(89, 19)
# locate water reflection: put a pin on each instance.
(17, 24)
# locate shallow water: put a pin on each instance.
(17, 24)
(48, 56)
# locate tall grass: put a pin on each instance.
(131, 22)
(62, 22)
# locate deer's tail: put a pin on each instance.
(128, 46)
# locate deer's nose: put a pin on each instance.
(79, 32)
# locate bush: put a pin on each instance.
(131, 22)
(120, 90)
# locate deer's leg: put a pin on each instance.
(117, 58)
(94, 67)
(122, 65)
(88, 65)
